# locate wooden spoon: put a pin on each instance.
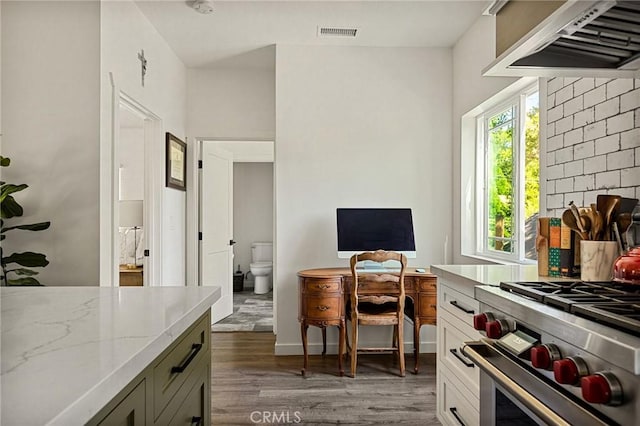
(585, 221)
(570, 220)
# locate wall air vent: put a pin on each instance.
(336, 32)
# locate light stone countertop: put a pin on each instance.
(67, 351)
(489, 274)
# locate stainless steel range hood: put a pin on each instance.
(581, 38)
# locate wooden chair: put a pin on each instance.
(377, 298)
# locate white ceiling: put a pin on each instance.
(240, 33)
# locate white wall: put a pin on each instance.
(357, 127)
(131, 163)
(474, 50)
(125, 32)
(51, 117)
(231, 103)
(252, 209)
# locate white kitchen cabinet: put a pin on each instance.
(457, 378)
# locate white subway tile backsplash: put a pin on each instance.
(564, 94)
(582, 118)
(608, 180)
(630, 139)
(573, 106)
(564, 125)
(620, 159)
(630, 100)
(555, 201)
(554, 143)
(555, 172)
(574, 168)
(630, 177)
(620, 123)
(584, 183)
(555, 84)
(608, 144)
(584, 150)
(564, 155)
(593, 140)
(595, 130)
(564, 185)
(595, 164)
(573, 137)
(619, 86)
(555, 114)
(583, 85)
(595, 96)
(607, 109)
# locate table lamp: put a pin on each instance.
(131, 217)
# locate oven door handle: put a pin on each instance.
(536, 407)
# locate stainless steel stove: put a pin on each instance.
(562, 351)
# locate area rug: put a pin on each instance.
(251, 312)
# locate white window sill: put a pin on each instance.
(499, 261)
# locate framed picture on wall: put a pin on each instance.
(176, 163)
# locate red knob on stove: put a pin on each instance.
(480, 320)
(569, 370)
(601, 388)
(543, 356)
(496, 329)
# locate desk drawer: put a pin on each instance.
(428, 306)
(322, 285)
(171, 372)
(427, 284)
(323, 308)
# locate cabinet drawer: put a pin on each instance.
(460, 305)
(171, 372)
(427, 284)
(428, 305)
(322, 285)
(191, 412)
(454, 404)
(129, 411)
(450, 340)
(324, 308)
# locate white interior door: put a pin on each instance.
(216, 225)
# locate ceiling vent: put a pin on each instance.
(336, 32)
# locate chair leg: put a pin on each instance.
(401, 349)
(354, 347)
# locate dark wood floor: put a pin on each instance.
(252, 386)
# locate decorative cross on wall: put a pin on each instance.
(143, 65)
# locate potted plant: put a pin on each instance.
(15, 267)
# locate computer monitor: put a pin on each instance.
(371, 229)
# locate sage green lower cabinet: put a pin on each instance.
(175, 389)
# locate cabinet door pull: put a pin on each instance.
(196, 421)
(322, 308)
(462, 308)
(454, 411)
(455, 353)
(195, 348)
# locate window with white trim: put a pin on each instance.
(507, 178)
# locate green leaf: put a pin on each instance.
(28, 281)
(27, 258)
(10, 188)
(22, 271)
(10, 208)
(41, 226)
(4, 161)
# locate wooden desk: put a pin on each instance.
(323, 295)
(130, 277)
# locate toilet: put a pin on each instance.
(261, 266)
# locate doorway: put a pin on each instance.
(252, 181)
(136, 155)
